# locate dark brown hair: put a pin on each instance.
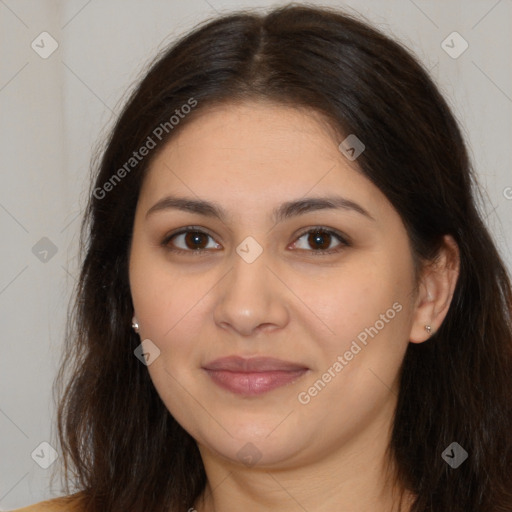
(121, 446)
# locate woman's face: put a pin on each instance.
(253, 282)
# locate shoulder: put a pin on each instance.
(63, 504)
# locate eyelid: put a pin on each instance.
(184, 230)
(340, 236)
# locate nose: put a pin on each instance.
(251, 299)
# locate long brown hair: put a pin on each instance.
(122, 448)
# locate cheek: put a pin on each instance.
(354, 299)
(368, 313)
(161, 295)
(170, 309)
(170, 313)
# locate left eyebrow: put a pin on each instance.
(310, 204)
(284, 211)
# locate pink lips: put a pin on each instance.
(253, 376)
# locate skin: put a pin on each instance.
(290, 303)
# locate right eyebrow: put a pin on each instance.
(284, 211)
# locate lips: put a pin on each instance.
(254, 364)
(254, 376)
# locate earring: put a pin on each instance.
(428, 329)
(135, 324)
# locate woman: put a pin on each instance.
(289, 300)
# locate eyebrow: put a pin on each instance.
(284, 211)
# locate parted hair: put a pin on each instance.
(122, 449)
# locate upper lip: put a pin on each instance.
(253, 364)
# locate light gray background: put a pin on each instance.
(55, 110)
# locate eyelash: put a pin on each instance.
(201, 252)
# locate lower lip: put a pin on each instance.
(253, 383)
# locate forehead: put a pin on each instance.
(254, 131)
(258, 150)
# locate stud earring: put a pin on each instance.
(135, 324)
(428, 329)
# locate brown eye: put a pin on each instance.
(191, 241)
(320, 241)
(195, 240)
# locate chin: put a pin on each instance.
(251, 450)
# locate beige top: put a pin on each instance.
(63, 504)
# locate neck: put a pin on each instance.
(353, 476)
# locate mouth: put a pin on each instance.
(253, 376)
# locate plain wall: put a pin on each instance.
(55, 111)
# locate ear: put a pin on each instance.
(435, 291)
